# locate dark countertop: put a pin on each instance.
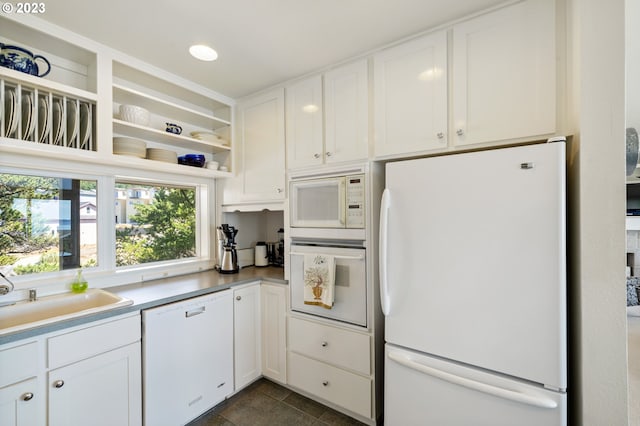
(149, 294)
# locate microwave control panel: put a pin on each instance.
(355, 201)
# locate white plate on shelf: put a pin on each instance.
(28, 113)
(85, 125)
(10, 107)
(72, 123)
(57, 122)
(44, 125)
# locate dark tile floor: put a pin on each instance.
(266, 403)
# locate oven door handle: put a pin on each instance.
(337, 256)
(385, 204)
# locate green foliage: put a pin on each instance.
(48, 263)
(167, 229)
(7, 259)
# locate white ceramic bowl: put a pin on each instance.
(135, 114)
(165, 155)
(212, 165)
(130, 146)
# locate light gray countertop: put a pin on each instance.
(149, 294)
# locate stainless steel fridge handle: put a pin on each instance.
(382, 254)
(523, 398)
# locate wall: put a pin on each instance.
(598, 374)
(632, 28)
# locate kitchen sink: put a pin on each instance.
(50, 309)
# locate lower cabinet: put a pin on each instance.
(96, 391)
(331, 363)
(274, 337)
(188, 358)
(247, 335)
(84, 375)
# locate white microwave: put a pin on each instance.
(331, 202)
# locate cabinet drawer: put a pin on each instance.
(347, 349)
(340, 387)
(18, 363)
(85, 343)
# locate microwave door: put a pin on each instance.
(318, 203)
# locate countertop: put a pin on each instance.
(149, 294)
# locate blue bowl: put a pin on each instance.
(194, 160)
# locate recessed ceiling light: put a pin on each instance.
(202, 52)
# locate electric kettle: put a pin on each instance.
(261, 257)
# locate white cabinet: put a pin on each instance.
(410, 91)
(342, 133)
(346, 108)
(274, 339)
(188, 358)
(503, 83)
(504, 74)
(94, 375)
(332, 363)
(247, 334)
(259, 151)
(97, 390)
(22, 399)
(304, 123)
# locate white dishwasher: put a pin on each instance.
(187, 358)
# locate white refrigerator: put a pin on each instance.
(473, 288)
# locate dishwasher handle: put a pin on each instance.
(521, 397)
(194, 312)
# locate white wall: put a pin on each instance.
(597, 229)
(632, 28)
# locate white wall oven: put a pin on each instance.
(349, 283)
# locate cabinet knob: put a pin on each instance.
(238, 297)
(279, 190)
(324, 344)
(58, 384)
(28, 396)
(325, 383)
(440, 135)
(316, 155)
(459, 132)
(329, 154)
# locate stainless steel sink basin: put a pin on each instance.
(49, 309)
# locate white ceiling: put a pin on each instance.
(260, 42)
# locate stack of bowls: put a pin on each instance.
(165, 155)
(130, 146)
(135, 114)
(207, 136)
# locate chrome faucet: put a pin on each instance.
(5, 289)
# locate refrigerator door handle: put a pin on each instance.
(384, 231)
(534, 400)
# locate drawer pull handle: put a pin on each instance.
(58, 384)
(195, 312)
(316, 155)
(27, 396)
(325, 383)
(324, 344)
(221, 385)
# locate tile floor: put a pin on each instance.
(266, 403)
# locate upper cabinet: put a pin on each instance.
(259, 151)
(342, 133)
(410, 89)
(502, 86)
(504, 74)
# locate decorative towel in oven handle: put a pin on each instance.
(319, 280)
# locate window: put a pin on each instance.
(42, 224)
(156, 223)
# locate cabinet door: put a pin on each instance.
(260, 157)
(188, 352)
(410, 91)
(346, 104)
(22, 404)
(246, 315)
(304, 123)
(504, 74)
(274, 339)
(103, 390)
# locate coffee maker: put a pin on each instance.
(227, 255)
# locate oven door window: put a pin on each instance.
(350, 300)
(318, 203)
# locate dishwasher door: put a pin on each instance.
(187, 358)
